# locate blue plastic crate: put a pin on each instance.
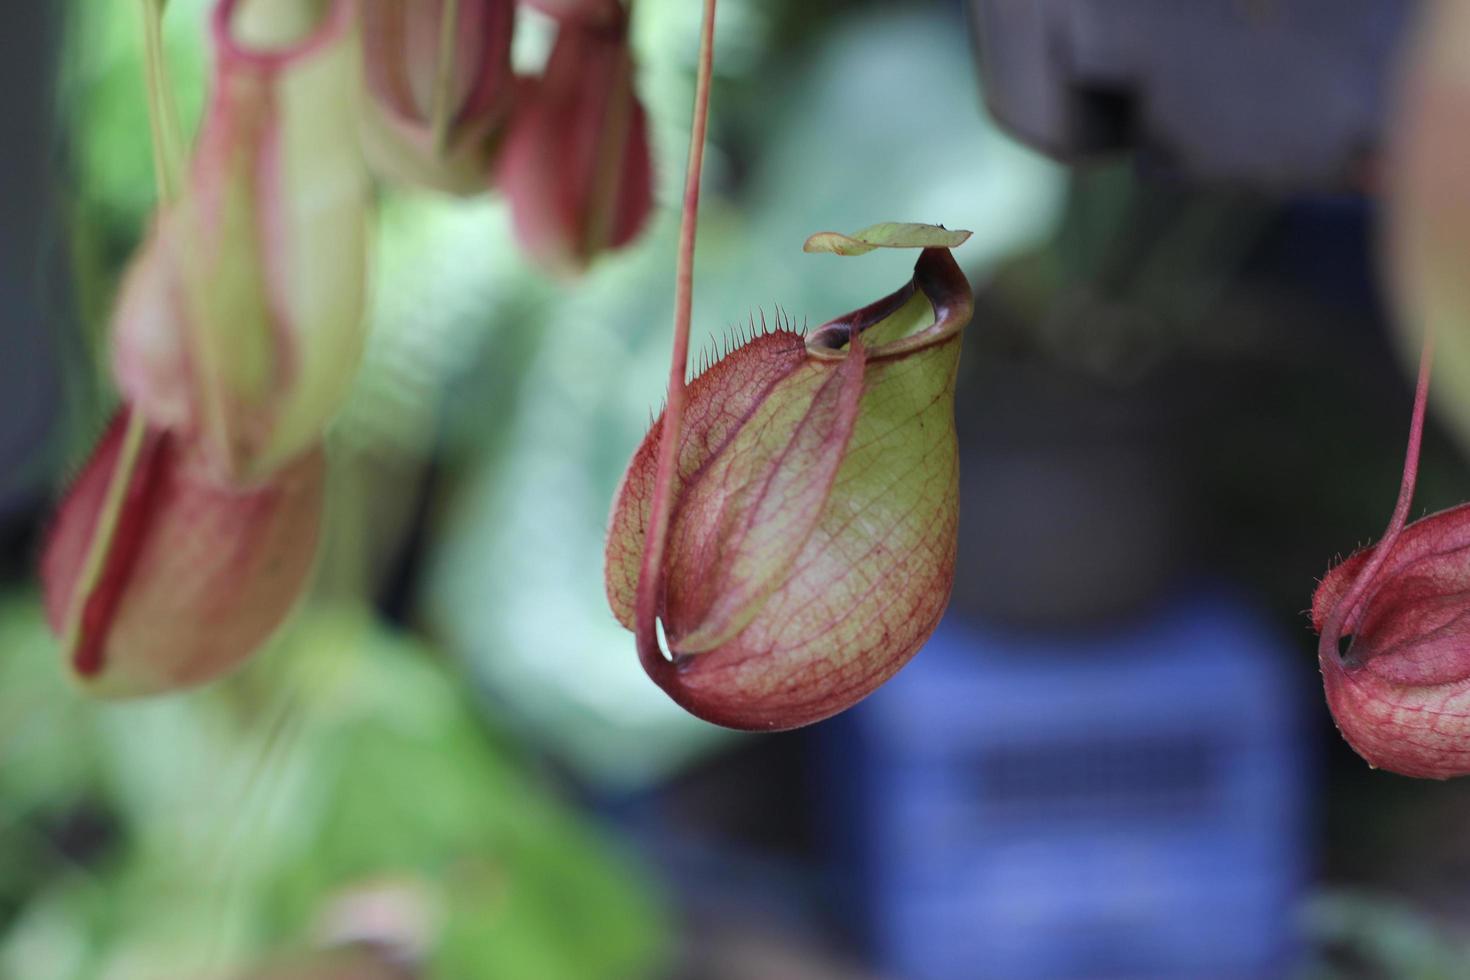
(1123, 804)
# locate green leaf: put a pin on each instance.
(887, 234)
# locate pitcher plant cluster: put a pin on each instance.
(192, 531)
(790, 520)
(784, 538)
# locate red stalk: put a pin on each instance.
(1328, 654)
(650, 578)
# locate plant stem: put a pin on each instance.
(1332, 628)
(439, 112)
(1416, 439)
(163, 123)
(650, 573)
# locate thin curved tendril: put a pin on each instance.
(650, 578)
(444, 74)
(1332, 628)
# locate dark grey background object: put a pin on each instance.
(30, 380)
(1287, 93)
(1073, 511)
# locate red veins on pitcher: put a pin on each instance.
(811, 543)
(1401, 691)
(177, 578)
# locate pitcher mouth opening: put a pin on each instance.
(938, 277)
(332, 23)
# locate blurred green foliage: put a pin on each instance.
(1362, 934)
(187, 835)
